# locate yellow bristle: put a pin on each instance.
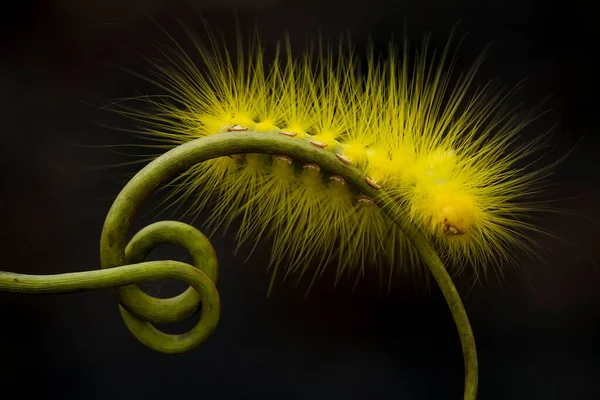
(267, 210)
(239, 192)
(297, 243)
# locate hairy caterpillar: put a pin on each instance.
(444, 150)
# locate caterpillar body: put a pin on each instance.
(444, 150)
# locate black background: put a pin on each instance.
(536, 329)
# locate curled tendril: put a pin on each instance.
(144, 309)
(122, 265)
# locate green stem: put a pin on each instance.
(126, 275)
(140, 307)
(458, 311)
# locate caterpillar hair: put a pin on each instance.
(450, 154)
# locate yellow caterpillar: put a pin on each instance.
(443, 149)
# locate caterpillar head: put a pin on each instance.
(455, 213)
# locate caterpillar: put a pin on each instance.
(447, 152)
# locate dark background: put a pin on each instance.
(536, 329)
